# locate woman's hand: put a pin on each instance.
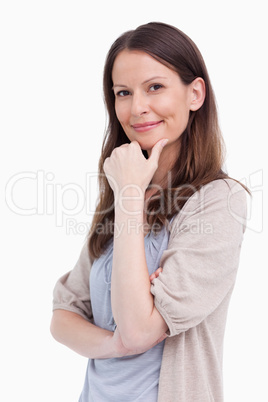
(127, 168)
(156, 274)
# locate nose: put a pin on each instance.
(139, 104)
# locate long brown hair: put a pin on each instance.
(201, 155)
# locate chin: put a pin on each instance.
(146, 146)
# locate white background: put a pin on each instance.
(52, 124)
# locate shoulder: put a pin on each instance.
(222, 200)
(222, 190)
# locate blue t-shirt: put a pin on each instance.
(130, 378)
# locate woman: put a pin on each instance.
(148, 297)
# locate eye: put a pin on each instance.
(122, 93)
(155, 87)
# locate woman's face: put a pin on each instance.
(151, 102)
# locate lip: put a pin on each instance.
(149, 125)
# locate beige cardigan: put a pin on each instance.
(192, 293)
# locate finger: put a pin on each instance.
(117, 149)
(105, 164)
(158, 272)
(157, 149)
(152, 277)
(135, 144)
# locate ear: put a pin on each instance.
(198, 91)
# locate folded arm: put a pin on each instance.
(83, 337)
(72, 320)
(139, 322)
(129, 173)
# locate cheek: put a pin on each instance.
(176, 114)
(176, 108)
(122, 113)
(168, 107)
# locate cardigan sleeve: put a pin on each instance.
(71, 291)
(201, 261)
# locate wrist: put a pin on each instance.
(129, 200)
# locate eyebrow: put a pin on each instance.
(145, 82)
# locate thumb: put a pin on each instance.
(157, 149)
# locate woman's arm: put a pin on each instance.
(139, 322)
(80, 335)
(133, 307)
(72, 320)
(87, 339)
(201, 261)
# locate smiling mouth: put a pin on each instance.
(146, 126)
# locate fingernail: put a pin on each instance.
(164, 142)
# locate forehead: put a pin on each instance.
(138, 64)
